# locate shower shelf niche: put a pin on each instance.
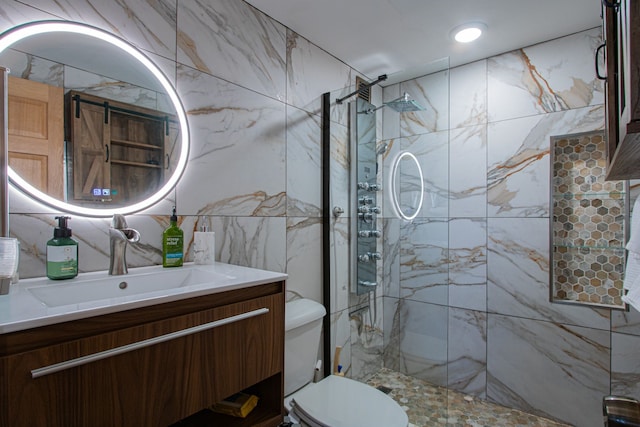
(588, 224)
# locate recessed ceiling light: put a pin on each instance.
(468, 32)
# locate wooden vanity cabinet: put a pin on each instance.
(622, 47)
(171, 382)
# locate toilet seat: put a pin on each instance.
(340, 402)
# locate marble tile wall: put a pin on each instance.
(252, 91)
(467, 304)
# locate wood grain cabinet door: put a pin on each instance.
(36, 134)
(154, 385)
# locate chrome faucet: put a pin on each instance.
(119, 236)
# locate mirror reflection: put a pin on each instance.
(91, 123)
(407, 185)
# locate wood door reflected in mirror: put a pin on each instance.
(109, 125)
(36, 134)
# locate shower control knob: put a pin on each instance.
(369, 233)
(375, 187)
(364, 209)
(367, 284)
(363, 258)
(376, 209)
(366, 200)
(366, 217)
(363, 186)
(375, 256)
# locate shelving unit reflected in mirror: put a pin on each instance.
(588, 224)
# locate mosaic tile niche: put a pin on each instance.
(587, 225)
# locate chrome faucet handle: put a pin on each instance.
(119, 235)
(118, 222)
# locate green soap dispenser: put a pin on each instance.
(62, 252)
(172, 243)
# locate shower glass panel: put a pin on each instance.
(365, 197)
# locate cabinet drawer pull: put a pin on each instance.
(40, 372)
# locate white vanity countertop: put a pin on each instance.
(85, 296)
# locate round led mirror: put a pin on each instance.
(407, 186)
(95, 128)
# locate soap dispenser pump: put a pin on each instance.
(173, 243)
(62, 252)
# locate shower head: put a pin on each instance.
(404, 104)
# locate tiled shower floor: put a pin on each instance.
(431, 406)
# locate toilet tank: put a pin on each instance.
(303, 324)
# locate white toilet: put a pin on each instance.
(335, 401)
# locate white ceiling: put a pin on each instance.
(407, 38)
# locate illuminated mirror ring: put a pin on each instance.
(18, 33)
(394, 181)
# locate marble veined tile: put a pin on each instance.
(627, 322)
(432, 93)
(340, 263)
(394, 148)
(33, 68)
(252, 242)
(339, 168)
(625, 365)
(367, 342)
(233, 41)
(537, 80)
(93, 84)
(390, 118)
(423, 341)
(468, 263)
(468, 172)
(304, 256)
(237, 166)
(634, 190)
(341, 337)
(424, 260)
(34, 230)
(150, 25)
(548, 369)
(311, 72)
(391, 333)
(469, 95)
(432, 152)
(467, 353)
(518, 159)
(518, 275)
(304, 168)
(15, 13)
(391, 263)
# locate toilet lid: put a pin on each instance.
(340, 402)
